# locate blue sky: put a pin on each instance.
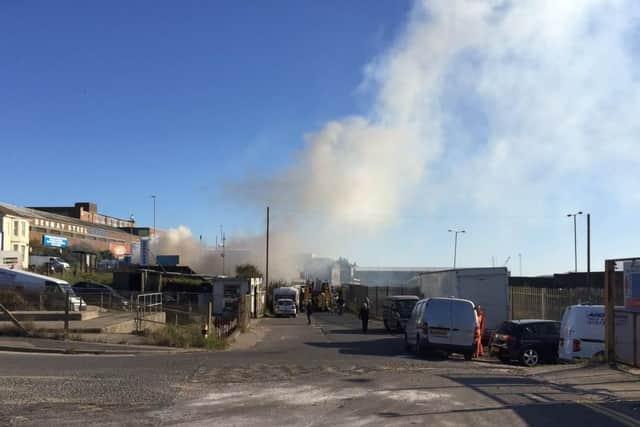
(116, 101)
(377, 124)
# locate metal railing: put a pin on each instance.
(149, 303)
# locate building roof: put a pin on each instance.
(9, 209)
(402, 269)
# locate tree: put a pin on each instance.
(247, 271)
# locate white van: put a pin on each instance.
(446, 324)
(581, 332)
(29, 283)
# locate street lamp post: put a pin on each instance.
(455, 244)
(575, 240)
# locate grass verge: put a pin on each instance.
(184, 337)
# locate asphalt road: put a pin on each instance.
(285, 372)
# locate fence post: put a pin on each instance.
(543, 296)
(209, 310)
(66, 315)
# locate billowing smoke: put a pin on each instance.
(284, 261)
(484, 106)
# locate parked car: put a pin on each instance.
(397, 310)
(529, 341)
(285, 307)
(442, 324)
(57, 263)
(97, 293)
(581, 332)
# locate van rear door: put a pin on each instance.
(438, 319)
(463, 323)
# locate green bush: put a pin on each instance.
(184, 337)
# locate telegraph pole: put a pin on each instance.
(266, 268)
(154, 214)
(589, 256)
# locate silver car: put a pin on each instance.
(285, 307)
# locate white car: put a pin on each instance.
(285, 307)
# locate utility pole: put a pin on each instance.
(455, 244)
(154, 214)
(589, 257)
(266, 268)
(575, 240)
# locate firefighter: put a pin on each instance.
(479, 331)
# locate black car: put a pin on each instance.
(99, 294)
(529, 341)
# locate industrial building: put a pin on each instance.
(80, 226)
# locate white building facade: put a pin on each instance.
(14, 236)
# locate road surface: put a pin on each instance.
(285, 372)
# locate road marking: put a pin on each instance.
(618, 416)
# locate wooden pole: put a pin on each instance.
(609, 311)
(209, 310)
(266, 269)
(589, 258)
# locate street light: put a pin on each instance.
(455, 244)
(575, 239)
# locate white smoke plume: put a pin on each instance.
(474, 101)
(284, 261)
(483, 106)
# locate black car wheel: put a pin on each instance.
(530, 357)
(386, 325)
(407, 346)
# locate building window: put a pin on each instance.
(15, 228)
(15, 248)
(24, 229)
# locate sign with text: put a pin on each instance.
(54, 241)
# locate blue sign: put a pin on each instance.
(55, 241)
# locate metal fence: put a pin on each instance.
(549, 303)
(356, 294)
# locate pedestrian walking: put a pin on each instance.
(364, 315)
(308, 309)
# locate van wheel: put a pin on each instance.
(468, 356)
(530, 357)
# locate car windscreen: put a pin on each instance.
(285, 302)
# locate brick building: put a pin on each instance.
(78, 226)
